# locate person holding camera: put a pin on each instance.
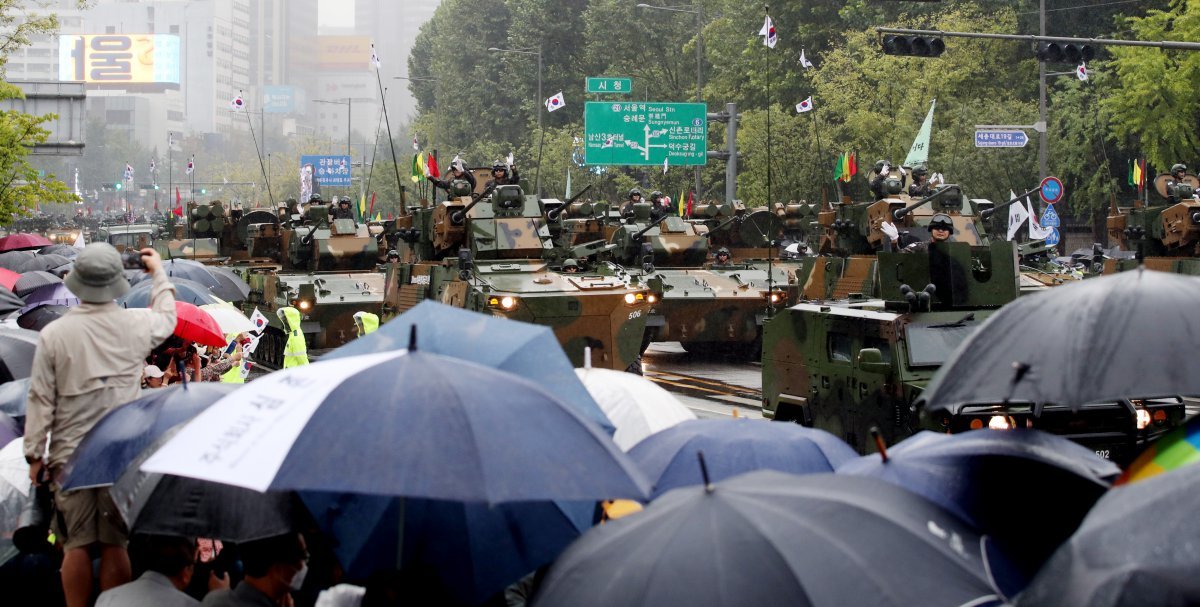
(86, 363)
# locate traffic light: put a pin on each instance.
(916, 46)
(117, 185)
(1062, 52)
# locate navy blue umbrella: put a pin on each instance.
(230, 287)
(985, 476)
(768, 538)
(185, 290)
(733, 447)
(524, 349)
(404, 423)
(474, 549)
(123, 433)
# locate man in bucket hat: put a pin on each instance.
(90, 361)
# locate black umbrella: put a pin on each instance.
(65, 250)
(1093, 341)
(769, 538)
(9, 302)
(16, 351)
(32, 280)
(11, 260)
(43, 263)
(163, 504)
(39, 317)
(971, 474)
(232, 287)
(191, 270)
(1138, 546)
(185, 290)
(63, 270)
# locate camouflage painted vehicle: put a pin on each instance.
(491, 252)
(131, 235)
(875, 330)
(328, 270)
(1164, 236)
(705, 307)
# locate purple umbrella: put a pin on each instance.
(52, 294)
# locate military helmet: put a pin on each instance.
(570, 263)
(943, 221)
(634, 191)
(920, 171)
(656, 195)
(460, 187)
(499, 166)
(344, 200)
(723, 251)
(1178, 167)
(282, 204)
(316, 197)
(879, 166)
(393, 253)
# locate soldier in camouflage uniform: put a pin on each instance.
(940, 229)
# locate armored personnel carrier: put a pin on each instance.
(327, 269)
(491, 251)
(1164, 236)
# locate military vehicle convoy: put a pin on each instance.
(491, 251)
(1165, 236)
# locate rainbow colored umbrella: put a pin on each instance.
(1174, 449)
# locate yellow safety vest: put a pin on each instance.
(295, 351)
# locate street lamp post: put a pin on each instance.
(699, 13)
(538, 174)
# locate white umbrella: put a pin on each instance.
(229, 318)
(14, 483)
(635, 405)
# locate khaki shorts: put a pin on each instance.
(90, 517)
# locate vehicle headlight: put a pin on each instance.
(1000, 422)
(630, 299)
(506, 303)
(1143, 418)
(304, 305)
(652, 298)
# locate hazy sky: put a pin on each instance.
(335, 13)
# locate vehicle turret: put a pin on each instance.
(322, 245)
(1161, 229)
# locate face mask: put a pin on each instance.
(298, 579)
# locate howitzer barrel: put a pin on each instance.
(572, 199)
(719, 227)
(900, 213)
(642, 232)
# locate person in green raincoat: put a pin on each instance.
(295, 351)
(366, 322)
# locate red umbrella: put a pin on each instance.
(194, 324)
(17, 242)
(8, 279)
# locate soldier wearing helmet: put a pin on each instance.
(635, 197)
(722, 257)
(1178, 172)
(920, 187)
(883, 168)
(570, 266)
(344, 210)
(941, 227)
(457, 172)
(502, 174)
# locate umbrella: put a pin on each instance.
(23, 241)
(162, 504)
(768, 538)
(191, 270)
(194, 324)
(524, 349)
(63, 270)
(65, 250)
(38, 317)
(732, 447)
(185, 290)
(9, 302)
(36, 279)
(12, 260)
(42, 263)
(970, 474)
(13, 395)
(1138, 546)
(14, 483)
(1179, 447)
(1097, 340)
(474, 549)
(229, 318)
(403, 423)
(124, 432)
(53, 295)
(231, 286)
(636, 406)
(9, 428)
(16, 351)
(8, 278)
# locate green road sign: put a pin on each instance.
(645, 133)
(619, 86)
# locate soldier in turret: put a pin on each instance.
(635, 197)
(941, 227)
(457, 171)
(882, 169)
(1178, 172)
(920, 187)
(501, 175)
(343, 210)
(722, 257)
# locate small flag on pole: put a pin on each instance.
(191, 165)
(238, 103)
(178, 210)
(770, 39)
(666, 164)
(259, 320)
(804, 106)
(375, 57)
(555, 102)
(153, 167)
(128, 172)
(416, 146)
(804, 62)
(432, 165)
(1081, 72)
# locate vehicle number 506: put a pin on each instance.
(635, 314)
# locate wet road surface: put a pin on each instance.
(711, 386)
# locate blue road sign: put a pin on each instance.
(1050, 218)
(1051, 190)
(1052, 239)
(329, 171)
(1000, 139)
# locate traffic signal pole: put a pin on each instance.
(1043, 146)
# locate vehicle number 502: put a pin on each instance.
(1103, 453)
(635, 314)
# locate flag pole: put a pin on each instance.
(258, 152)
(820, 150)
(391, 142)
(767, 11)
(374, 153)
